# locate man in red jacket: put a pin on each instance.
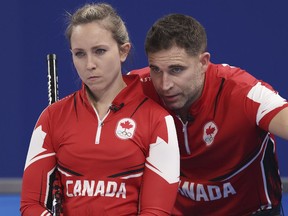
(225, 119)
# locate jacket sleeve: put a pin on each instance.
(161, 176)
(39, 171)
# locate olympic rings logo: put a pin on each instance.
(124, 133)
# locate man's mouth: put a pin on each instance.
(170, 98)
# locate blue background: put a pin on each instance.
(250, 34)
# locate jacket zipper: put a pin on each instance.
(185, 133)
(100, 125)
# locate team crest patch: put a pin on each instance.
(209, 133)
(125, 128)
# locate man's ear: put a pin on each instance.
(124, 51)
(204, 60)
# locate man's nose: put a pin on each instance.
(167, 82)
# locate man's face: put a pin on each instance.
(177, 76)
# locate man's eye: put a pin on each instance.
(176, 70)
(154, 70)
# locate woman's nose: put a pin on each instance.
(90, 63)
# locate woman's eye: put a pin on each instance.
(79, 54)
(100, 51)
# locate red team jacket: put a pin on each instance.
(105, 166)
(228, 161)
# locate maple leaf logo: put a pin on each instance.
(126, 125)
(125, 128)
(210, 130)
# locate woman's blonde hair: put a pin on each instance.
(99, 12)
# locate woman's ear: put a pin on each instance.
(124, 51)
